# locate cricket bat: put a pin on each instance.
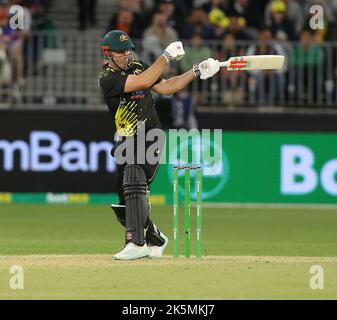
(258, 62)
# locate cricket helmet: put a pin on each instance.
(115, 40)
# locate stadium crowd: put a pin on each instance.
(209, 28)
(224, 28)
(14, 43)
(214, 19)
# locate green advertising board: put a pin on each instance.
(238, 167)
(268, 167)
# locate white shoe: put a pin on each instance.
(131, 251)
(157, 251)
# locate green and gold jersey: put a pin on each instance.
(128, 108)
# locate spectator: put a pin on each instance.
(214, 4)
(175, 13)
(43, 36)
(157, 37)
(197, 22)
(218, 18)
(282, 29)
(237, 28)
(11, 41)
(184, 104)
(266, 86)
(40, 21)
(248, 10)
(124, 20)
(86, 13)
(215, 10)
(307, 60)
(230, 81)
(228, 49)
(5, 68)
(140, 13)
(196, 52)
(295, 14)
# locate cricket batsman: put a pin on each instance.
(126, 85)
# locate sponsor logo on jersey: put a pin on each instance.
(136, 95)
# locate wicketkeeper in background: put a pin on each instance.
(126, 84)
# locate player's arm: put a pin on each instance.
(206, 69)
(174, 51)
(175, 84)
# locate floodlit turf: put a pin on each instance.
(63, 229)
(259, 253)
(98, 277)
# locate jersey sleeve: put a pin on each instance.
(113, 83)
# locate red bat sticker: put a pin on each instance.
(236, 64)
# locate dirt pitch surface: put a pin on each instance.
(211, 277)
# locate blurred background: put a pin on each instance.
(49, 94)
(53, 63)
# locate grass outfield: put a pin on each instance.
(259, 253)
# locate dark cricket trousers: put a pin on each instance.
(150, 169)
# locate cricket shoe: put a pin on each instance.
(157, 251)
(132, 251)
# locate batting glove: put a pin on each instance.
(206, 69)
(175, 51)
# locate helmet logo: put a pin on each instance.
(123, 37)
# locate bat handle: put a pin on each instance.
(224, 64)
